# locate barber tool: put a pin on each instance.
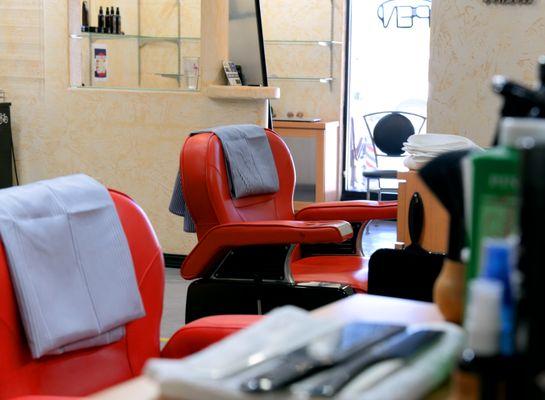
(328, 351)
(403, 346)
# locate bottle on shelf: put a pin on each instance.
(113, 24)
(108, 21)
(84, 17)
(101, 22)
(118, 22)
(114, 21)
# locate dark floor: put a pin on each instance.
(381, 234)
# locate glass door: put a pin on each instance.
(387, 70)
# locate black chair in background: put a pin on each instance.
(388, 130)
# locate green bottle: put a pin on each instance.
(492, 187)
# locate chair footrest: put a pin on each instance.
(207, 297)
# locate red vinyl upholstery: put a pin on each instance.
(220, 239)
(48, 398)
(351, 211)
(86, 371)
(198, 334)
(208, 198)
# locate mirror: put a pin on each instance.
(246, 41)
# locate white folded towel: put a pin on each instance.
(421, 149)
(218, 371)
(416, 379)
(70, 264)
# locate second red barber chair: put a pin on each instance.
(255, 253)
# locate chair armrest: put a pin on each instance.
(203, 332)
(351, 211)
(40, 397)
(222, 238)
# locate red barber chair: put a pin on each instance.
(255, 253)
(83, 372)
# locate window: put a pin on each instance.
(387, 70)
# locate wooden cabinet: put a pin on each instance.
(436, 219)
(315, 151)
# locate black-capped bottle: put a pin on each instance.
(112, 20)
(108, 20)
(118, 22)
(101, 22)
(84, 17)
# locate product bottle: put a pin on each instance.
(477, 377)
(101, 22)
(118, 22)
(113, 24)
(84, 17)
(108, 21)
(541, 90)
(499, 264)
(492, 181)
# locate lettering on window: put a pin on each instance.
(403, 13)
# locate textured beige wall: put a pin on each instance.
(131, 140)
(471, 42)
(128, 140)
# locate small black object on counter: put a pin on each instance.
(6, 147)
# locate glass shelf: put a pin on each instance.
(166, 75)
(196, 39)
(301, 79)
(133, 89)
(303, 42)
(151, 56)
(108, 36)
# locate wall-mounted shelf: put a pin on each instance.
(173, 76)
(242, 92)
(285, 68)
(107, 36)
(133, 89)
(304, 42)
(301, 79)
(149, 56)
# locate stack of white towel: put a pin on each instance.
(423, 148)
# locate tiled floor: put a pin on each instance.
(381, 234)
(174, 303)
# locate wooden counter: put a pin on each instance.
(326, 136)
